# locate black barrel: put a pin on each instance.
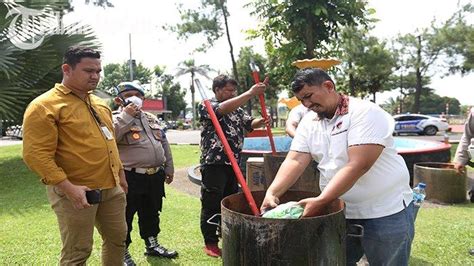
(251, 240)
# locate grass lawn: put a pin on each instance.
(30, 236)
(185, 155)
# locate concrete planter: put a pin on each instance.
(443, 184)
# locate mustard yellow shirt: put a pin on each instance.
(62, 140)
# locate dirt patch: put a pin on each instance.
(183, 184)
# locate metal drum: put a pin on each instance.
(251, 240)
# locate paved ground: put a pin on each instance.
(184, 136)
(193, 137)
(7, 141)
(182, 183)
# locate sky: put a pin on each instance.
(151, 45)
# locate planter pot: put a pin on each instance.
(443, 184)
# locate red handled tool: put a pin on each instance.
(228, 151)
(256, 78)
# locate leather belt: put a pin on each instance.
(148, 171)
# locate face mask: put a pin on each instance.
(134, 99)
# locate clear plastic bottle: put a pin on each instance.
(446, 137)
(419, 194)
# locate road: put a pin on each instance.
(184, 136)
(193, 137)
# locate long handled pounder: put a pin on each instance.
(228, 151)
(256, 78)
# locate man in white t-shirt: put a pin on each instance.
(352, 142)
(294, 118)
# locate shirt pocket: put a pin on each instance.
(136, 137)
(338, 143)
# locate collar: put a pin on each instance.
(62, 88)
(65, 90)
(342, 107)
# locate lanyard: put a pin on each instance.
(88, 103)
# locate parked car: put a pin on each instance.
(419, 124)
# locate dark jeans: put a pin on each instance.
(386, 241)
(145, 196)
(218, 181)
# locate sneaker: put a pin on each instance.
(212, 250)
(160, 251)
(127, 259)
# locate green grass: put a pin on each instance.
(30, 236)
(185, 155)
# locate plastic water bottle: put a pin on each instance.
(418, 197)
(446, 137)
(419, 194)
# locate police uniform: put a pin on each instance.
(146, 157)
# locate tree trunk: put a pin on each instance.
(416, 108)
(193, 105)
(352, 91)
(310, 46)
(231, 51)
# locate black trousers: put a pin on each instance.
(145, 197)
(218, 182)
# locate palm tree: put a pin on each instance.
(24, 74)
(189, 67)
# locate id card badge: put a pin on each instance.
(106, 132)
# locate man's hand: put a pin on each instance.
(169, 179)
(259, 88)
(76, 194)
(132, 109)
(261, 122)
(123, 181)
(269, 202)
(312, 206)
(460, 168)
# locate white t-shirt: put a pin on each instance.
(297, 113)
(383, 189)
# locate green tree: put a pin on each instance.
(406, 84)
(116, 73)
(431, 103)
(246, 56)
(172, 93)
(426, 49)
(189, 67)
(302, 29)
(206, 20)
(459, 35)
(24, 74)
(368, 64)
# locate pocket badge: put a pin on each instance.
(136, 135)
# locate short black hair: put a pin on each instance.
(309, 76)
(220, 81)
(74, 54)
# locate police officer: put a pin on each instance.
(148, 164)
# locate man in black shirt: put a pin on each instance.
(218, 178)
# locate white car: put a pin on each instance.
(420, 124)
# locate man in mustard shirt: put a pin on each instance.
(68, 141)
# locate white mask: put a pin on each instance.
(136, 100)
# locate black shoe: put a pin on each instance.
(127, 259)
(160, 251)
